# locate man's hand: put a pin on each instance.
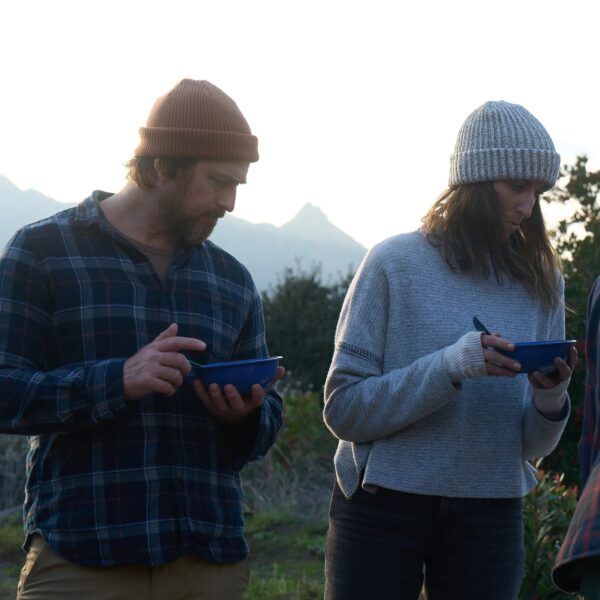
(227, 404)
(159, 366)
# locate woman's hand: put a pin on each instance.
(497, 364)
(562, 372)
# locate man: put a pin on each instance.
(133, 487)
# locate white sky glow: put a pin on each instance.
(356, 104)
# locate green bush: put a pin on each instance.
(577, 242)
(11, 555)
(297, 473)
(547, 513)
(298, 484)
(13, 452)
(278, 586)
(301, 313)
(11, 539)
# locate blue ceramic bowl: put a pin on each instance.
(243, 374)
(539, 356)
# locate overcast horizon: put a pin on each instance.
(356, 105)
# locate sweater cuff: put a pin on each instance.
(550, 402)
(465, 359)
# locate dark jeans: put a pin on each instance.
(379, 546)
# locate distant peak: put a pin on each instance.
(309, 213)
(312, 224)
(310, 208)
(7, 184)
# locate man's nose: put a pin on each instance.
(227, 200)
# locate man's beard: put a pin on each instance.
(187, 230)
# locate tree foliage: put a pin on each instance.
(546, 515)
(577, 241)
(301, 314)
(13, 450)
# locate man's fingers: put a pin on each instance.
(171, 375)
(222, 404)
(171, 342)
(165, 380)
(165, 388)
(170, 331)
(228, 404)
(279, 375)
(200, 390)
(573, 355)
(175, 360)
(235, 402)
(177, 343)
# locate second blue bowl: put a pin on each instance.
(243, 374)
(539, 356)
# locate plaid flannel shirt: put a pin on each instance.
(583, 537)
(109, 481)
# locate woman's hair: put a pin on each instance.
(465, 224)
(141, 169)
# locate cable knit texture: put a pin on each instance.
(389, 394)
(500, 140)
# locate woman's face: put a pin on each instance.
(517, 198)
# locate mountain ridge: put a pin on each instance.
(308, 241)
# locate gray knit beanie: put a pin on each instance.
(499, 141)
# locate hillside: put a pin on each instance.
(308, 240)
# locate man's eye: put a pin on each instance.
(517, 186)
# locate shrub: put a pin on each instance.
(301, 314)
(547, 513)
(577, 243)
(297, 473)
(13, 451)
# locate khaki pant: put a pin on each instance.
(47, 576)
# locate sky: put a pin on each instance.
(356, 105)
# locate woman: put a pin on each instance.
(437, 430)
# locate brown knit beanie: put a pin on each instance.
(197, 120)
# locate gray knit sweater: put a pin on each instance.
(401, 422)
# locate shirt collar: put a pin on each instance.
(88, 213)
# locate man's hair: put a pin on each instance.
(141, 169)
(465, 224)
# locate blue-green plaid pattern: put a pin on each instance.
(582, 540)
(112, 481)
